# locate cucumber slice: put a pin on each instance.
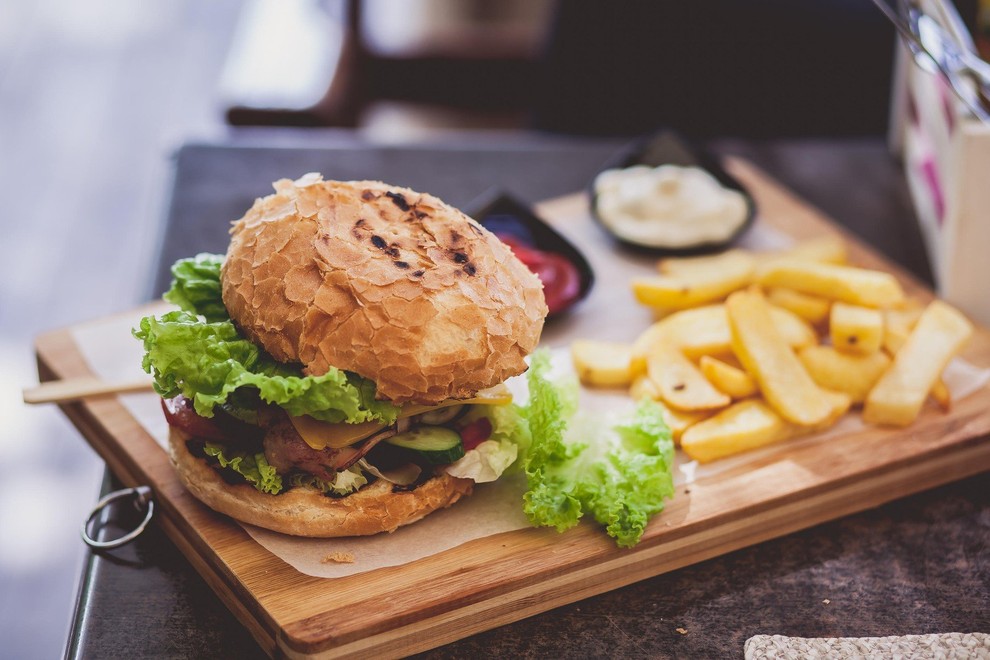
(437, 444)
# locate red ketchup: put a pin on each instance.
(561, 279)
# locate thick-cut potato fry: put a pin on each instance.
(735, 382)
(844, 372)
(839, 403)
(897, 397)
(644, 388)
(602, 363)
(824, 249)
(856, 329)
(681, 384)
(750, 424)
(695, 286)
(905, 315)
(781, 377)
(641, 347)
(705, 331)
(795, 331)
(894, 337)
(941, 395)
(677, 420)
(743, 426)
(730, 259)
(898, 324)
(858, 286)
(812, 309)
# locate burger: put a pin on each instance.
(340, 371)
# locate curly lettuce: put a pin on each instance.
(345, 482)
(196, 287)
(198, 352)
(253, 467)
(620, 473)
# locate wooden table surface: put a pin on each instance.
(918, 565)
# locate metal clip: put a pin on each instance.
(142, 499)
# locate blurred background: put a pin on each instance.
(95, 96)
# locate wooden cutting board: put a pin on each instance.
(495, 580)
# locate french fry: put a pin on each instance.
(706, 263)
(677, 420)
(894, 337)
(856, 329)
(694, 286)
(905, 315)
(782, 379)
(795, 331)
(839, 404)
(857, 286)
(741, 427)
(896, 399)
(941, 395)
(641, 347)
(602, 363)
(812, 309)
(852, 374)
(733, 381)
(823, 249)
(679, 382)
(705, 331)
(644, 388)
(898, 324)
(748, 425)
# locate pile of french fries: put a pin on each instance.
(754, 348)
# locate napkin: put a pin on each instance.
(948, 646)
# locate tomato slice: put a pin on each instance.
(179, 413)
(476, 432)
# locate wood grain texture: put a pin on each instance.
(503, 578)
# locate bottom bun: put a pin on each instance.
(305, 511)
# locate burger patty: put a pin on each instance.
(284, 449)
(287, 452)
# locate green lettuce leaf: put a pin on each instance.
(199, 353)
(253, 467)
(620, 473)
(196, 287)
(207, 362)
(346, 482)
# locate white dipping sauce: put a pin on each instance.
(668, 206)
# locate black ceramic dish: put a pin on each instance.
(670, 148)
(501, 213)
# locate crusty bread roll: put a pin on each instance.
(388, 283)
(307, 512)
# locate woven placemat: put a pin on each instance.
(949, 646)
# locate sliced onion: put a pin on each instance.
(361, 451)
(441, 415)
(403, 475)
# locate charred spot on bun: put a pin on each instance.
(338, 372)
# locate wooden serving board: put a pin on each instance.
(499, 579)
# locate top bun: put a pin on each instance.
(382, 281)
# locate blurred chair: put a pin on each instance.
(469, 56)
(747, 68)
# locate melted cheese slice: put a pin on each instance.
(320, 435)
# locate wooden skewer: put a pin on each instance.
(74, 389)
